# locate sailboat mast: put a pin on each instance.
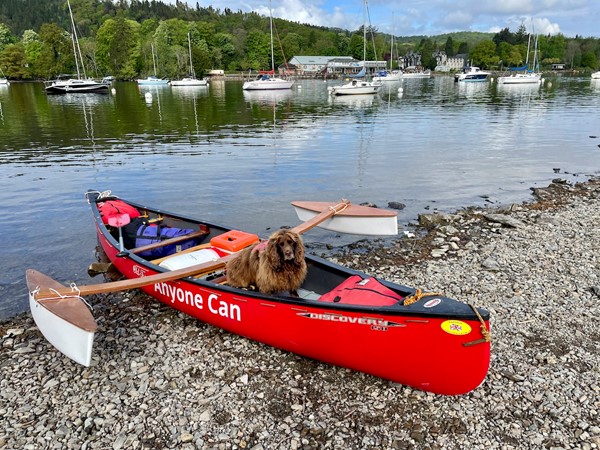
(76, 48)
(153, 59)
(364, 33)
(192, 72)
(271, 26)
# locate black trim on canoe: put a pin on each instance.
(448, 308)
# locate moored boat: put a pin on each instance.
(82, 84)
(471, 74)
(341, 316)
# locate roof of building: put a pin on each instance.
(322, 60)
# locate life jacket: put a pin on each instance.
(111, 208)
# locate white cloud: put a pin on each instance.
(430, 17)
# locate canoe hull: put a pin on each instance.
(354, 220)
(66, 323)
(415, 345)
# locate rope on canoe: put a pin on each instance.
(418, 295)
(340, 206)
(74, 289)
(487, 336)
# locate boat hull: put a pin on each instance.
(66, 322)
(267, 84)
(356, 88)
(189, 82)
(355, 219)
(152, 81)
(521, 79)
(412, 345)
(75, 86)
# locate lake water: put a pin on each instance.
(238, 158)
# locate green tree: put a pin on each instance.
(119, 48)
(13, 62)
(510, 55)
(258, 51)
(427, 48)
(224, 51)
(57, 51)
(484, 55)
(202, 58)
(6, 37)
(33, 47)
(355, 46)
(449, 47)
(589, 60)
(553, 47)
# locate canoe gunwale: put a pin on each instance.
(415, 310)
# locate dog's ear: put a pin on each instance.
(299, 248)
(271, 252)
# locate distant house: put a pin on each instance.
(411, 59)
(311, 65)
(560, 66)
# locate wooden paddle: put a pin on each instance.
(197, 269)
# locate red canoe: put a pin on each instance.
(343, 317)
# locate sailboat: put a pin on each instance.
(355, 86)
(389, 75)
(79, 84)
(153, 80)
(525, 75)
(190, 81)
(267, 81)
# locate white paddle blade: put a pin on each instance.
(355, 219)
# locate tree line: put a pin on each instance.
(118, 38)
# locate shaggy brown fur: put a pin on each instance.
(279, 267)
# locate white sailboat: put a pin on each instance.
(525, 75)
(79, 84)
(153, 80)
(268, 81)
(389, 75)
(190, 81)
(3, 79)
(359, 87)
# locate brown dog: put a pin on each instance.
(275, 266)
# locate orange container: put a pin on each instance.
(234, 240)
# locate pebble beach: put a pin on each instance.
(163, 380)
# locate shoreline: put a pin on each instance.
(161, 379)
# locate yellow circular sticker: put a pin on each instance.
(456, 327)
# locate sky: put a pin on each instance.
(432, 17)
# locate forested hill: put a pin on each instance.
(118, 38)
(21, 15)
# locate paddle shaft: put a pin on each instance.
(210, 266)
(133, 283)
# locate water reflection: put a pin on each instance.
(439, 146)
(193, 92)
(474, 91)
(353, 101)
(77, 100)
(268, 97)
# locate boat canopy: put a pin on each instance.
(518, 68)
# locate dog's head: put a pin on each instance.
(286, 245)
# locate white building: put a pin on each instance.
(332, 65)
